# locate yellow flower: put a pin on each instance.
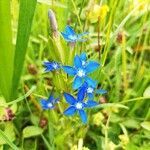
(143, 5)
(124, 139)
(98, 12)
(112, 146)
(97, 118)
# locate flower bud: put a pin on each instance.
(32, 69)
(43, 122)
(53, 23)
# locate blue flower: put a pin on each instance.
(50, 66)
(50, 103)
(83, 59)
(78, 105)
(92, 89)
(81, 71)
(70, 35)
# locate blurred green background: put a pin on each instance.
(119, 39)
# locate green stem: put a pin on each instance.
(50, 131)
(76, 12)
(106, 132)
(135, 99)
(46, 142)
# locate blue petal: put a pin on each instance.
(44, 104)
(77, 62)
(83, 56)
(91, 103)
(91, 82)
(77, 83)
(83, 116)
(47, 63)
(69, 98)
(66, 37)
(48, 66)
(81, 94)
(69, 70)
(69, 30)
(55, 65)
(90, 95)
(84, 86)
(51, 98)
(70, 111)
(92, 66)
(101, 91)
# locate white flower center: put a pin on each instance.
(49, 105)
(83, 63)
(90, 90)
(79, 105)
(72, 37)
(55, 66)
(81, 73)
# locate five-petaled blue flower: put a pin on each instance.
(50, 66)
(78, 105)
(83, 59)
(49, 104)
(92, 89)
(70, 35)
(80, 71)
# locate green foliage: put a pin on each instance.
(6, 50)
(8, 136)
(30, 131)
(121, 121)
(146, 125)
(27, 8)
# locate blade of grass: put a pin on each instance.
(124, 63)
(23, 97)
(135, 99)
(46, 142)
(12, 145)
(6, 50)
(110, 39)
(112, 105)
(26, 13)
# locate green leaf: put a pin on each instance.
(22, 97)
(146, 125)
(115, 105)
(8, 136)
(131, 123)
(6, 50)
(147, 92)
(131, 146)
(31, 131)
(26, 13)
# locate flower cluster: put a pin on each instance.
(70, 35)
(80, 71)
(50, 103)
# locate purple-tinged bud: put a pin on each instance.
(9, 115)
(43, 122)
(53, 23)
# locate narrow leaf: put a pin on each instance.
(146, 125)
(26, 13)
(6, 49)
(31, 131)
(7, 140)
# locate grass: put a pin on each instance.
(122, 46)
